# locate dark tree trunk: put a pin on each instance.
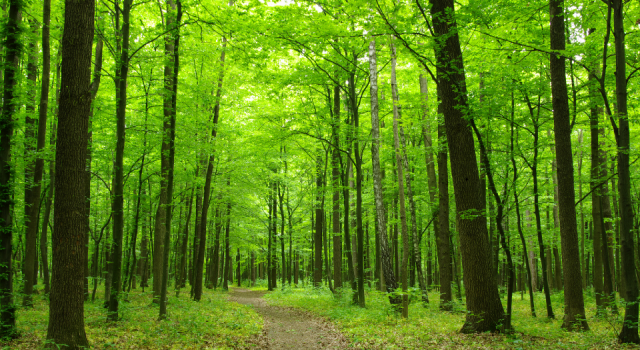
(12, 57)
(66, 307)
(485, 312)
(335, 184)
(444, 236)
(199, 268)
(118, 188)
(517, 202)
(171, 84)
(184, 245)
(216, 247)
(32, 184)
(629, 332)
(317, 238)
(574, 303)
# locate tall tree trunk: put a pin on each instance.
(485, 311)
(431, 168)
(32, 200)
(335, 184)
(536, 206)
(517, 202)
(574, 303)
(9, 108)
(171, 84)
(227, 251)
(317, 238)
(118, 188)
(444, 236)
(216, 246)
(629, 332)
(417, 255)
(399, 165)
(385, 256)
(66, 307)
(199, 269)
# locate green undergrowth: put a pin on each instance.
(378, 327)
(212, 323)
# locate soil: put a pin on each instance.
(290, 328)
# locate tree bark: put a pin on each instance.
(317, 238)
(9, 108)
(66, 307)
(574, 303)
(385, 256)
(485, 311)
(32, 200)
(171, 84)
(199, 269)
(335, 183)
(118, 188)
(401, 199)
(629, 332)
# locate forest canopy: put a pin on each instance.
(407, 155)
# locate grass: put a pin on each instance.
(212, 323)
(378, 327)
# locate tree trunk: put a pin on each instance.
(444, 236)
(9, 108)
(385, 256)
(32, 184)
(317, 238)
(117, 207)
(574, 303)
(335, 184)
(399, 165)
(485, 311)
(171, 84)
(185, 245)
(629, 332)
(199, 269)
(66, 307)
(517, 202)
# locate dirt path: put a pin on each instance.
(289, 328)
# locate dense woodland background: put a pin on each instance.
(357, 146)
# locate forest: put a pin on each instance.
(319, 174)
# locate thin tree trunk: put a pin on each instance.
(317, 258)
(171, 81)
(517, 202)
(118, 188)
(399, 165)
(385, 257)
(207, 185)
(335, 183)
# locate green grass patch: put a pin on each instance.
(378, 327)
(212, 323)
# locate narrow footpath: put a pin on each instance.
(289, 328)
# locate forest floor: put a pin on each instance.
(290, 328)
(378, 326)
(311, 318)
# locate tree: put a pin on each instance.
(9, 106)
(574, 302)
(629, 332)
(485, 312)
(66, 307)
